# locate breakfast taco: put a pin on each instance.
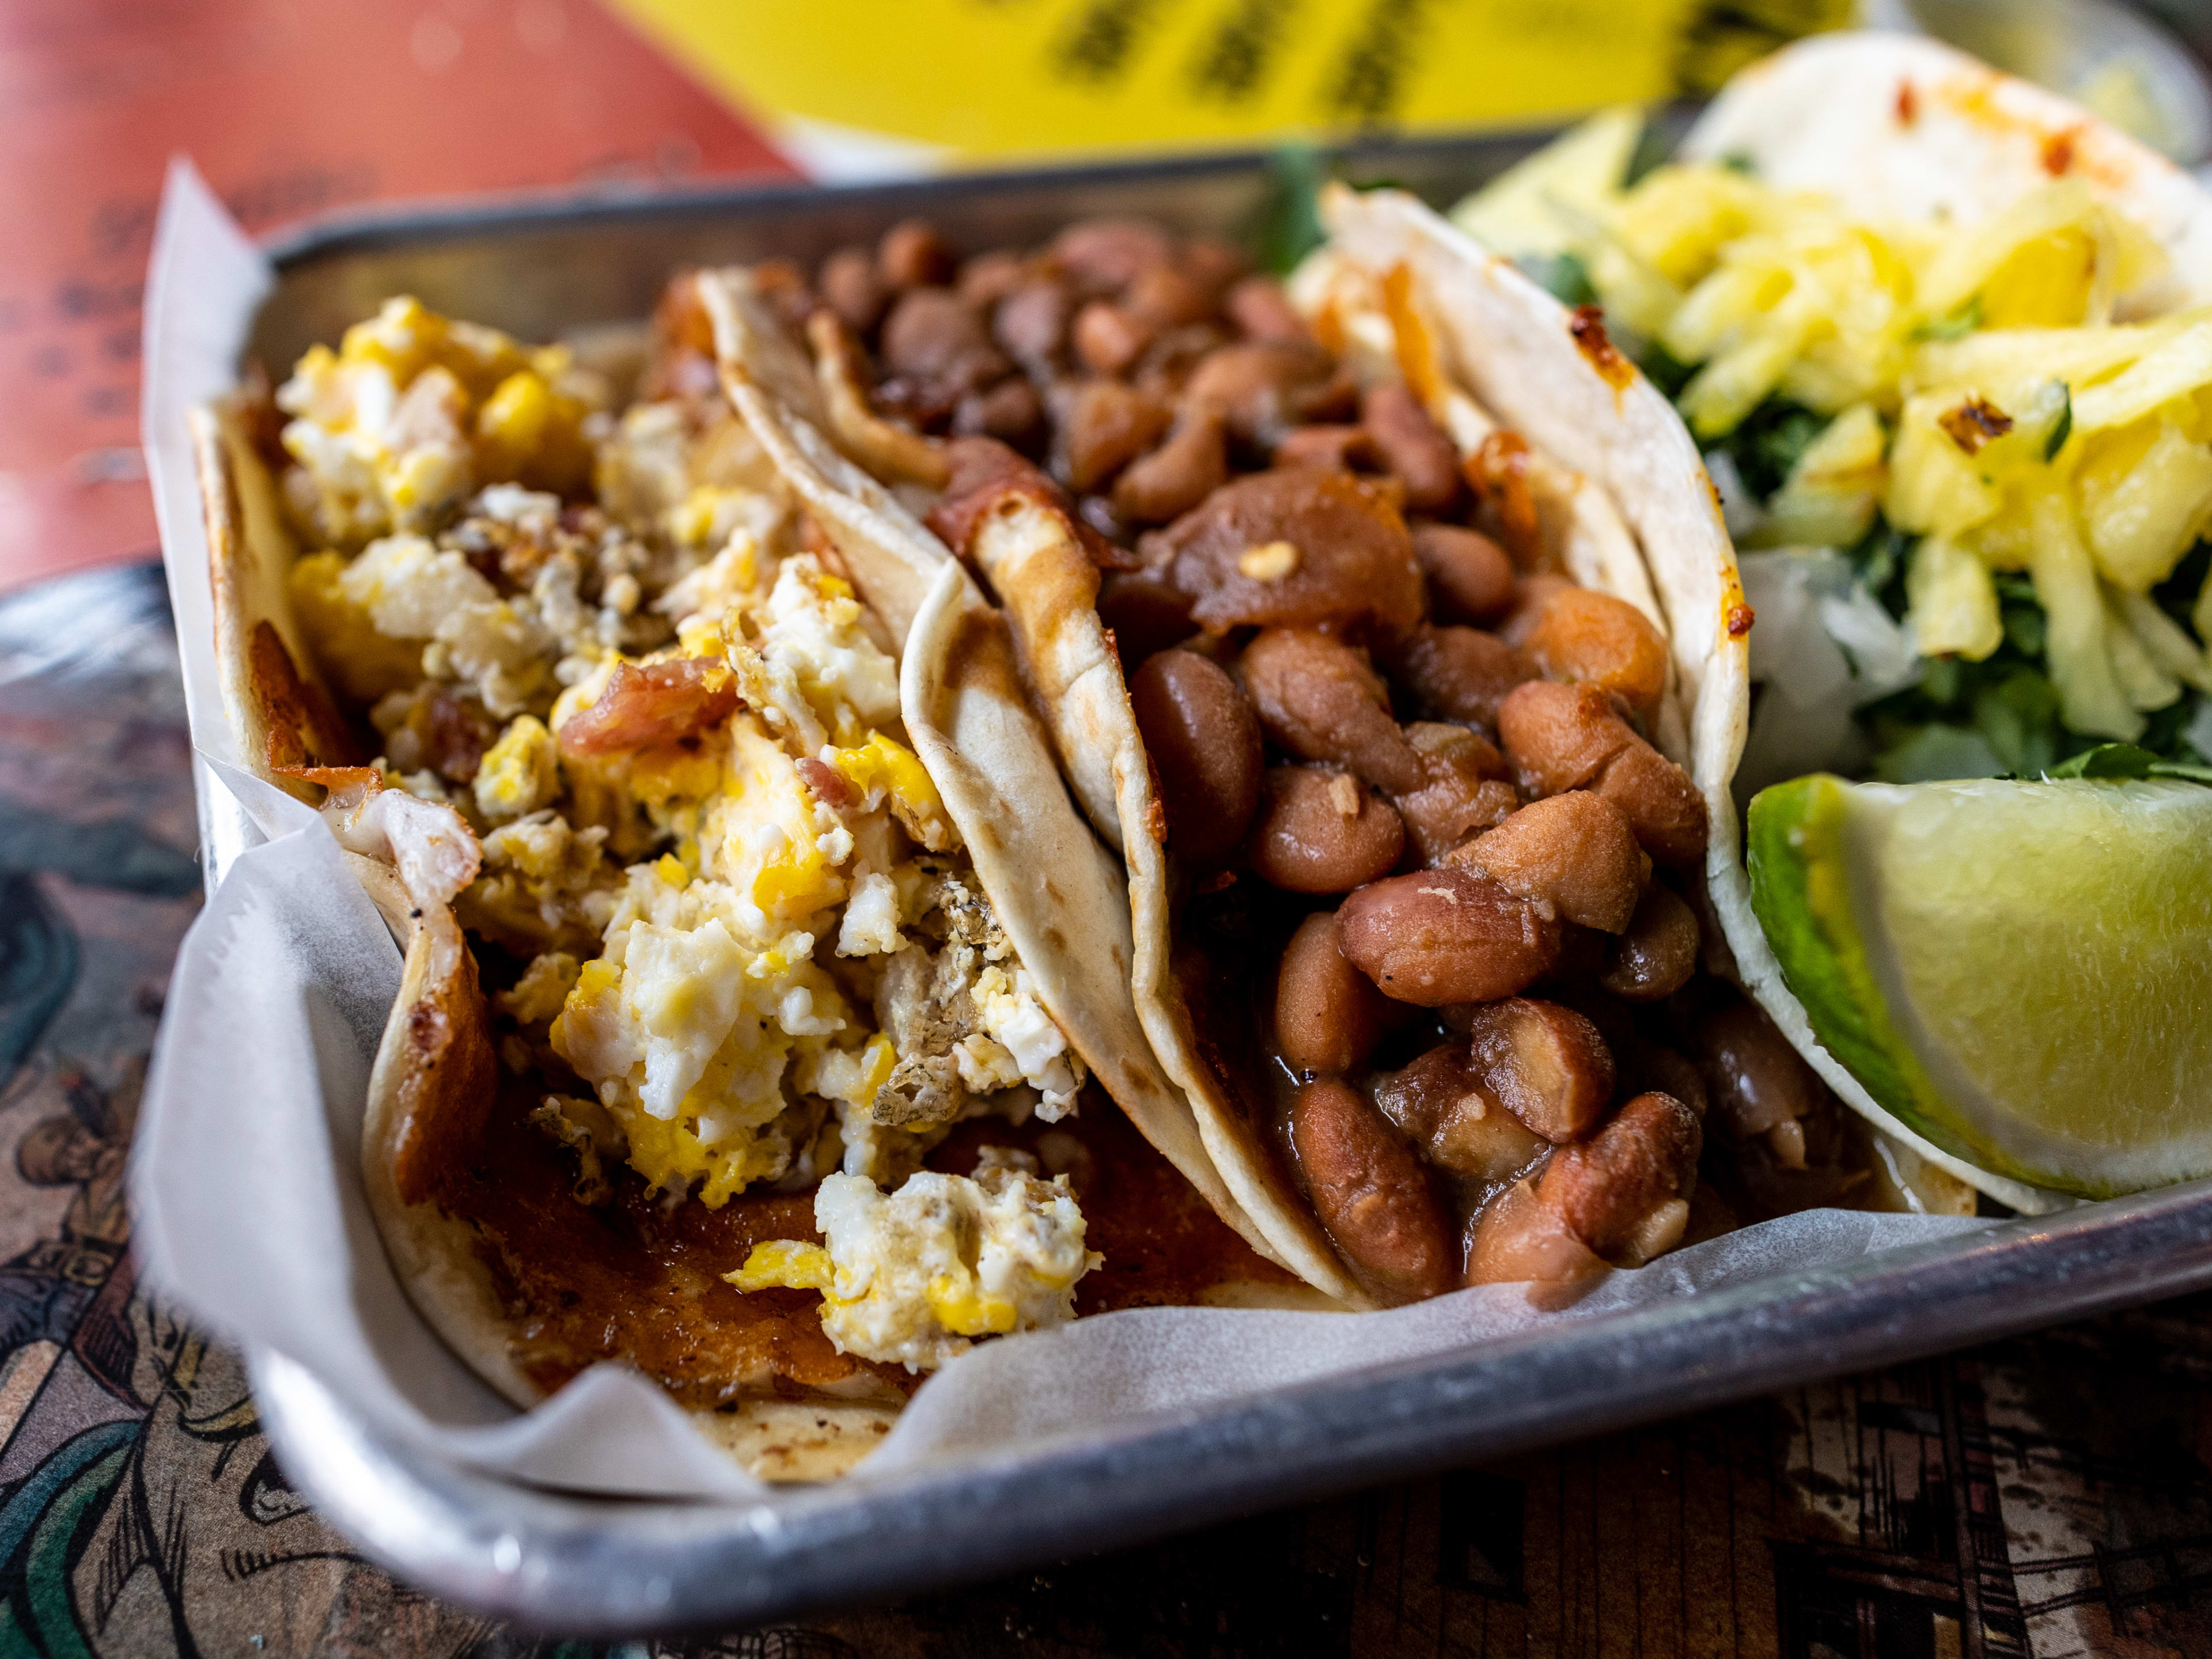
(1334, 600)
(751, 1003)
(1942, 336)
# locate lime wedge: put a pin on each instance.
(2023, 972)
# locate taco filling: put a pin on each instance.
(1963, 458)
(1944, 346)
(1428, 918)
(770, 1101)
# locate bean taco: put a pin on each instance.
(1336, 599)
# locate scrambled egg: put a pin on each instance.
(413, 411)
(754, 950)
(910, 1277)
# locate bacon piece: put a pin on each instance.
(828, 783)
(656, 703)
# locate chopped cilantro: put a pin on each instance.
(1654, 146)
(1564, 274)
(2018, 716)
(1664, 369)
(2107, 760)
(1290, 219)
(1880, 557)
(2059, 433)
(2176, 594)
(1956, 326)
(2026, 628)
(1768, 442)
(1932, 753)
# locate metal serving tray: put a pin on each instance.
(597, 1566)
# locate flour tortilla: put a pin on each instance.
(435, 1058)
(1620, 494)
(1900, 127)
(1059, 893)
(1507, 342)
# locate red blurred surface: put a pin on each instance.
(290, 107)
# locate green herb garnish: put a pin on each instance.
(1956, 326)
(2059, 434)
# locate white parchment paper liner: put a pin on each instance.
(247, 1168)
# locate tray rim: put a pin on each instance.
(616, 1567)
(380, 225)
(551, 1562)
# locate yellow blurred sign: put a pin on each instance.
(952, 80)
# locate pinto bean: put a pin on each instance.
(1575, 853)
(1266, 388)
(1167, 297)
(1167, 367)
(1672, 1073)
(1144, 612)
(1010, 411)
(853, 289)
(1612, 1188)
(1259, 307)
(1457, 673)
(1559, 736)
(1319, 831)
(913, 255)
(1320, 700)
(1331, 448)
(1657, 952)
(1470, 577)
(1445, 936)
(1757, 1081)
(1176, 477)
(1453, 1120)
(1328, 1015)
(1371, 1191)
(1294, 547)
(1543, 1062)
(1413, 446)
(1572, 736)
(1106, 255)
(1518, 1238)
(1532, 597)
(1214, 265)
(1031, 322)
(1110, 337)
(1604, 642)
(987, 278)
(1104, 426)
(933, 339)
(1660, 802)
(1462, 793)
(1204, 741)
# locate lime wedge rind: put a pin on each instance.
(1795, 846)
(2017, 972)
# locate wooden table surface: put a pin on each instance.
(2048, 1496)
